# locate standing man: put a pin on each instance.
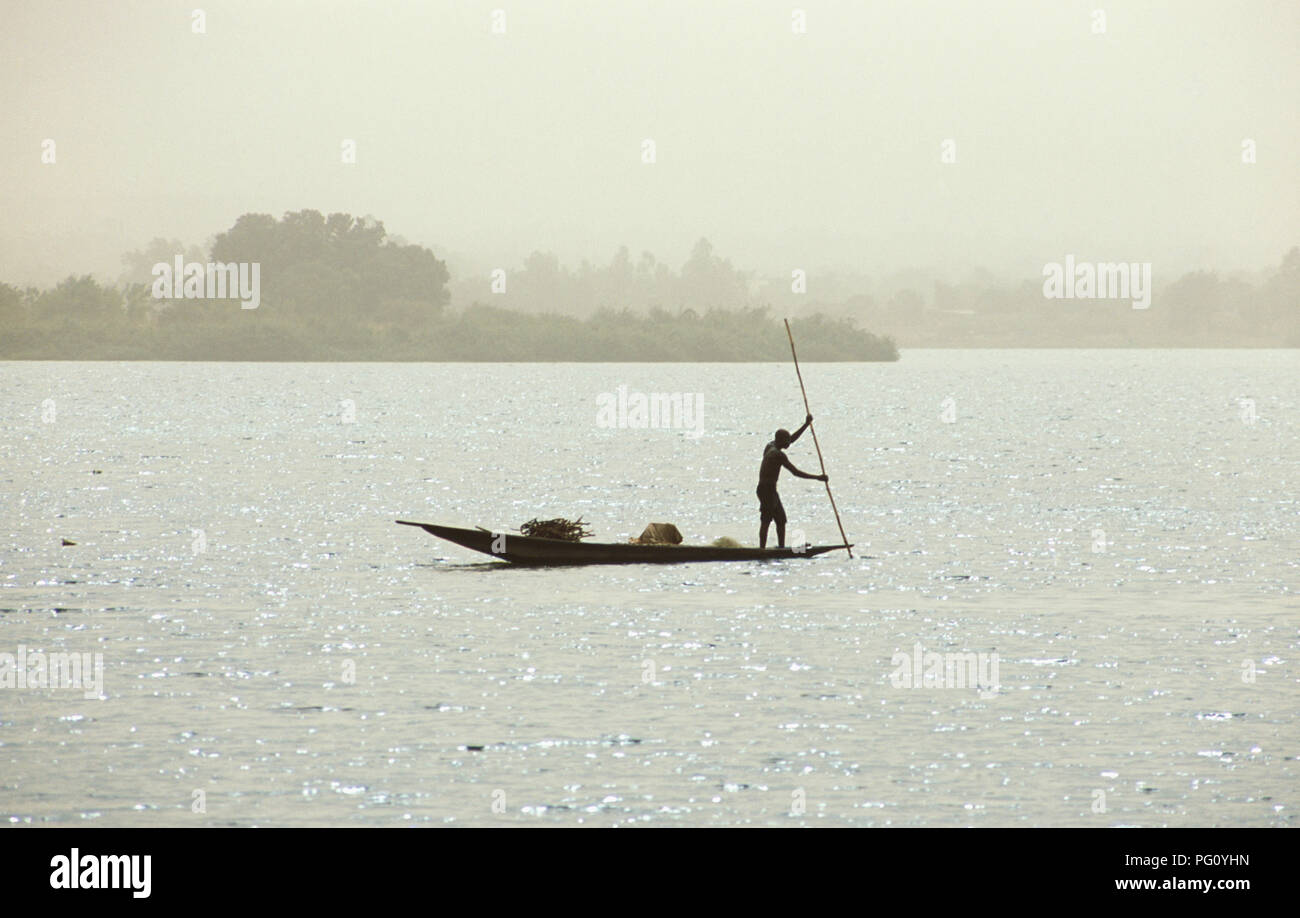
(769, 502)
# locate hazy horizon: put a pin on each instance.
(819, 150)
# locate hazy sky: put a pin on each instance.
(786, 150)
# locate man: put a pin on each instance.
(769, 502)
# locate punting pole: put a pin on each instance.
(808, 410)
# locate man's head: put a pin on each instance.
(782, 438)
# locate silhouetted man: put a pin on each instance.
(769, 502)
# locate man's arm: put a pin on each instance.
(785, 460)
(795, 436)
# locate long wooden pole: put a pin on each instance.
(808, 411)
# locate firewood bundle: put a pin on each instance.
(558, 528)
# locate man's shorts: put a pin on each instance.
(769, 505)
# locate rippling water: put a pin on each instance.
(1119, 527)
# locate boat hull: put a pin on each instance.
(518, 549)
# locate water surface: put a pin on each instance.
(1119, 527)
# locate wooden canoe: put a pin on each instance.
(519, 549)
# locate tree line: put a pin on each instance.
(922, 307)
(338, 287)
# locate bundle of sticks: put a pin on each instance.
(558, 528)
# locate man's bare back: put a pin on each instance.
(769, 502)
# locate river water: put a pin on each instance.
(1110, 535)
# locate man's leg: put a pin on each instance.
(778, 514)
(762, 532)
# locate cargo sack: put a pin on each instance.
(660, 534)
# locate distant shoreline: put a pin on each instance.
(727, 360)
(4, 359)
(693, 359)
